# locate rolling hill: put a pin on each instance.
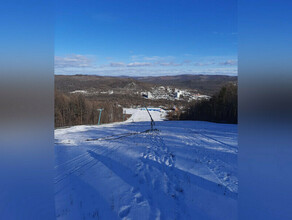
(205, 84)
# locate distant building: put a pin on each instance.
(168, 89)
(177, 93)
(149, 95)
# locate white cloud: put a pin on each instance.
(73, 60)
(159, 58)
(143, 64)
(152, 58)
(170, 64)
(187, 61)
(154, 65)
(136, 57)
(229, 63)
(138, 64)
(204, 63)
(117, 64)
(147, 71)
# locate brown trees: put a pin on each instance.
(77, 109)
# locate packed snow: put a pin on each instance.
(141, 114)
(181, 170)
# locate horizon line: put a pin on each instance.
(198, 74)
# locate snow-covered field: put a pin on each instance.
(186, 170)
(141, 114)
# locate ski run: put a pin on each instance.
(179, 170)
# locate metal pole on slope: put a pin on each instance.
(152, 121)
(124, 112)
(100, 110)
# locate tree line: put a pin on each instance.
(221, 108)
(72, 109)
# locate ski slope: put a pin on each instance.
(186, 170)
(141, 114)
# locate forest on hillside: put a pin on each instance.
(221, 108)
(78, 109)
(72, 109)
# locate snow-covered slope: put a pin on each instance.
(140, 114)
(186, 170)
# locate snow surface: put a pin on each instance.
(141, 114)
(186, 170)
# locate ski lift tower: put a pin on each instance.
(124, 112)
(100, 110)
(152, 121)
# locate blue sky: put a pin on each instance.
(146, 37)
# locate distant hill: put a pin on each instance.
(205, 84)
(69, 83)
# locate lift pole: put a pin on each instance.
(100, 110)
(152, 121)
(124, 112)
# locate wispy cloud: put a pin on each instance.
(145, 71)
(147, 65)
(187, 61)
(204, 63)
(159, 58)
(142, 64)
(73, 60)
(117, 64)
(229, 63)
(138, 64)
(170, 64)
(152, 58)
(136, 57)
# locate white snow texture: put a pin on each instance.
(183, 170)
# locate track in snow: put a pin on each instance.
(186, 170)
